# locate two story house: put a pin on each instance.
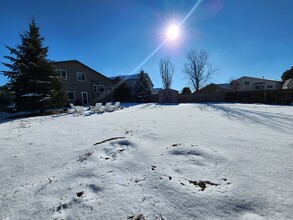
(83, 85)
(246, 83)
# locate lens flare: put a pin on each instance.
(172, 32)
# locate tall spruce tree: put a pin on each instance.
(142, 89)
(32, 77)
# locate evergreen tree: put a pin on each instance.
(122, 92)
(287, 74)
(142, 89)
(32, 77)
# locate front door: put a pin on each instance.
(84, 98)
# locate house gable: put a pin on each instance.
(87, 84)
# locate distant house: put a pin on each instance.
(246, 83)
(288, 84)
(168, 96)
(131, 80)
(216, 88)
(82, 84)
(157, 90)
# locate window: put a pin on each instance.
(70, 95)
(62, 73)
(257, 87)
(110, 89)
(95, 88)
(101, 88)
(270, 86)
(246, 83)
(80, 76)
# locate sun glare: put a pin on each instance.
(172, 32)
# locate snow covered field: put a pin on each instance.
(187, 161)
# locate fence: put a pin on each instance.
(284, 96)
(202, 97)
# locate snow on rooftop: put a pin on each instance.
(187, 161)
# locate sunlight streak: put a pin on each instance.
(190, 12)
(162, 44)
(155, 51)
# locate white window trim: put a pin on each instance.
(81, 80)
(103, 87)
(65, 78)
(68, 95)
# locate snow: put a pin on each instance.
(31, 94)
(187, 161)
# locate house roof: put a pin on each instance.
(131, 77)
(80, 63)
(172, 90)
(157, 89)
(258, 79)
(288, 82)
(127, 77)
(224, 85)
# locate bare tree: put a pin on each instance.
(166, 72)
(198, 70)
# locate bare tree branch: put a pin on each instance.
(166, 72)
(198, 70)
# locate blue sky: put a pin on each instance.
(242, 37)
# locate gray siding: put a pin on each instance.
(92, 78)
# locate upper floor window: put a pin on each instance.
(270, 86)
(101, 88)
(246, 83)
(62, 73)
(81, 77)
(110, 89)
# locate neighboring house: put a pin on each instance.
(168, 96)
(288, 84)
(157, 90)
(131, 80)
(83, 85)
(216, 88)
(246, 83)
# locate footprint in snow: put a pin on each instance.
(115, 150)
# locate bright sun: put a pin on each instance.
(172, 32)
